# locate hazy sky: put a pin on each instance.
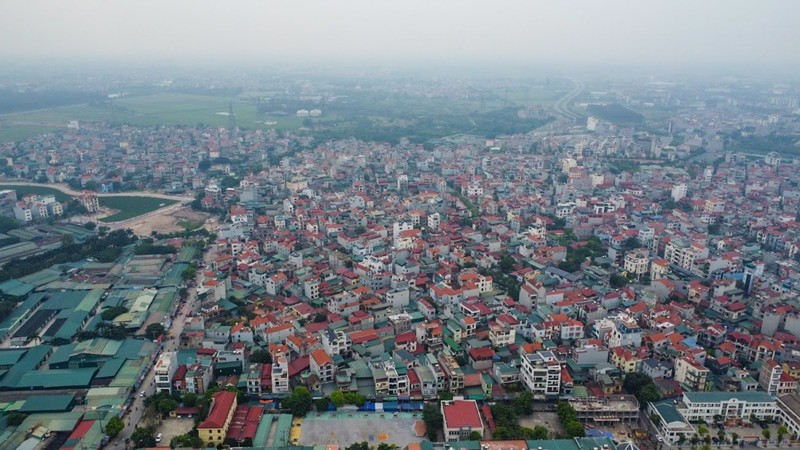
(755, 32)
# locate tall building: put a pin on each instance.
(165, 368)
(691, 374)
(541, 374)
(769, 378)
(678, 192)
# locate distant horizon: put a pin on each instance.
(658, 34)
(468, 69)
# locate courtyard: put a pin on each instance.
(346, 428)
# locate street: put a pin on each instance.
(170, 342)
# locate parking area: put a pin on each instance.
(345, 429)
(174, 427)
(547, 419)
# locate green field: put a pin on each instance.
(129, 207)
(40, 190)
(145, 110)
(19, 132)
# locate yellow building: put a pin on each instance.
(792, 368)
(214, 429)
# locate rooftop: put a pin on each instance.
(461, 413)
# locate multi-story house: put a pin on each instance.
(691, 374)
(336, 342)
(769, 377)
(322, 365)
(164, 369)
(280, 374)
(501, 334)
(637, 262)
(454, 376)
(541, 374)
(397, 378)
(254, 379)
(198, 378)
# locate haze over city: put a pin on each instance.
(706, 33)
(399, 225)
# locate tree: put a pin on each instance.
(501, 433)
(617, 281)
(337, 398)
(321, 404)
(540, 432)
(154, 330)
(575, 429)
(167, 405)
(475, 436)
(143, 437)
(354, 398)
(7, 224)
(299, 402)
(782, 432)
(319, 317)
(260, 356)
(358, 446)
(702, 430)
(766, 433)
(523, 403)
(735, 438)
(506, 264)
(114, 426)
(446, 396)
(649, 394)
(188, 440)
(631, 243)
(189, 399)
(433, 421)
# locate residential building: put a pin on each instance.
(164, 369)
(769, 377)
(691, 374)
(461, 418)
(541, 374)
(322, 366)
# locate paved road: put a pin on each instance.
(171, 342)
(562, 105)
(69, 191)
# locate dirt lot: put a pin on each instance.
(174, 427)
(547, 419)
(374, 428)
(167, 220)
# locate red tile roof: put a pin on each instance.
(462, 413)
(223, 402)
